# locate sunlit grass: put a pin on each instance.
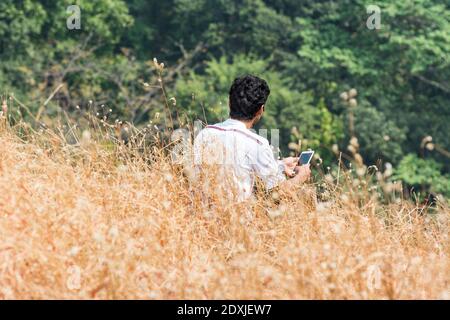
(103, 220)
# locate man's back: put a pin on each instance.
(238, 155)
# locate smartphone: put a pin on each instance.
(305, 157)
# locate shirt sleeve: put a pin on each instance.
(271, 171)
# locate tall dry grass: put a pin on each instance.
(94, 221)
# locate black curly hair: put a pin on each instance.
(247, 95)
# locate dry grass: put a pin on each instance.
(82, 222)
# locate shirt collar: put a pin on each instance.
(235, 123)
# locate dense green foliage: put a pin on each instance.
(424, 175)
(309, 51)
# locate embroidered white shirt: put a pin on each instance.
(240, 155)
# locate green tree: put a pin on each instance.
(400, 70)
(39, 52)
(423, 175)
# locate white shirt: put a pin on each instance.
(238, 154)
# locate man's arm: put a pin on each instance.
(272, 171)
(301, 175)
(288, 165)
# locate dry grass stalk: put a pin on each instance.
(92, 222)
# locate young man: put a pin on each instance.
(235, 154)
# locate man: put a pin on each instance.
(235, 154)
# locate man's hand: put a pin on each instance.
(302, 173)
(289, 165)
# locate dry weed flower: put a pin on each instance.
(351, 148)
(111, 221)
(344, 96)
(335, 149)
(361, 171)
(358, 159)
(352, 93)
(388, 170)
(354, 142)
(426, 140)
(293, 146)
(158, 66)
(352, 103)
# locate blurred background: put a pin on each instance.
(331, 77)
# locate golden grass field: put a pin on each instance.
(89, 222)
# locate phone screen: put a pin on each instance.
(305, 157)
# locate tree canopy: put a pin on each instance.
(309, 51)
